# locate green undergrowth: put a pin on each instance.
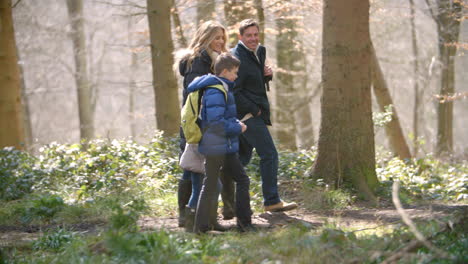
(294, 244)
(116, 182)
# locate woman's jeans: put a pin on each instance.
(196, 179)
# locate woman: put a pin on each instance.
(209, 41)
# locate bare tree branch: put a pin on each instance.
(128, 4)
(17, 2)
(431, 11)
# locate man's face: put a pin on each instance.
(250, 37)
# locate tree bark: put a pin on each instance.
(384, 99)
(205, 10)
(11, 115)
(417, 100)
(164, 81)
(448, 28)
(346, 139)
(83, 85)
(286, 55)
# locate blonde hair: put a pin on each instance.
(205, 34)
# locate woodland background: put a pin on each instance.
(119, 70)
(90, 101)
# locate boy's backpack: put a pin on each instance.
(190, 114)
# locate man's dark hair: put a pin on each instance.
(246, 23)
(225, 61)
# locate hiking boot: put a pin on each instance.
(184, 191)
(189, 219)
(281, 207)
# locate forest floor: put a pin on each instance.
(359, 219)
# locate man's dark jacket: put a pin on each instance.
(249, 91)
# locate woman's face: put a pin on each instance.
(217, 43)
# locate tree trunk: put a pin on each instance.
(261, 19)
(178, 25)
(417, 100)
(205, 10)
(286, 55)
(164, 81)
(448, 27)
(83, 85)
(384, 99)
(11, 116)
(346, 139)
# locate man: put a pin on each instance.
(252, 101)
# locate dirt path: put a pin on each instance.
(355, 219)
(366, 218)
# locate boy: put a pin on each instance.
(220, 144)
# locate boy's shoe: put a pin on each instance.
(228, 214)
(281, 207)
(218, 227)
(246, 228)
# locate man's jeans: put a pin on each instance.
(257, 136)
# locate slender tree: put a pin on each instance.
(164, 81)
(178, 25)
(417, 99)
(83, 84)
(28, 134)
(384, 99)
(205, 10)
(11, 116)
(346, 140)
(131, 77)
(447, 15)
(234, 12)
(287, 54)
(261, 19)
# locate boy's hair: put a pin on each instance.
(246, 23)
(225, 61)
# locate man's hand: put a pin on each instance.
(243, 126)
(268, 71)
(259, 112)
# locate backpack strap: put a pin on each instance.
(219, 87)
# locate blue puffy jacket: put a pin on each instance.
(219, 122)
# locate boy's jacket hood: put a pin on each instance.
(208, 80)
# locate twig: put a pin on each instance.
(407, 220)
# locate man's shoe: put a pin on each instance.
(281, 207)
